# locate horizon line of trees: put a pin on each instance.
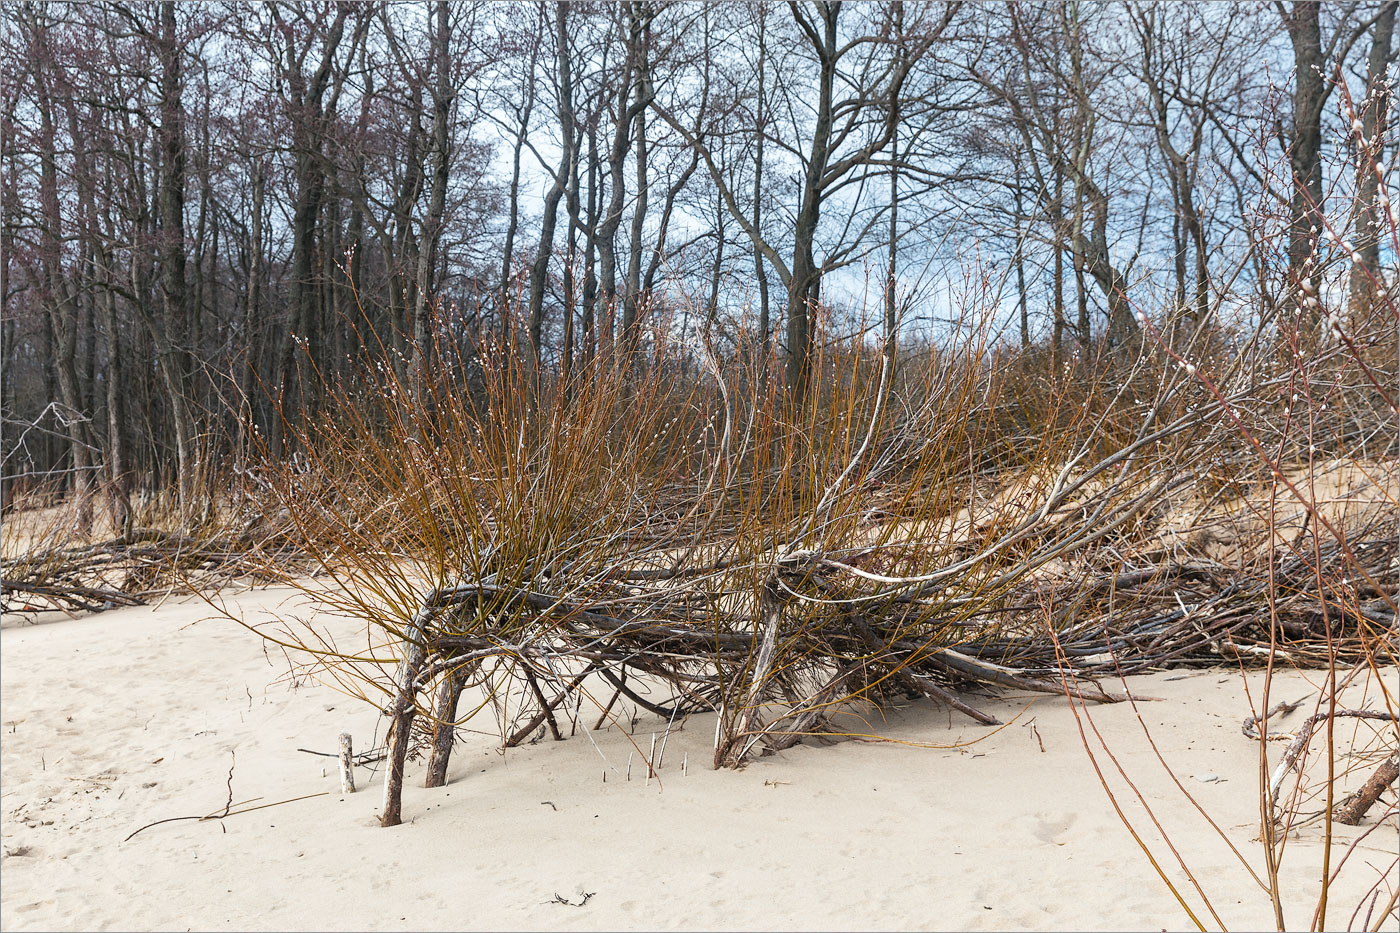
(210, 209)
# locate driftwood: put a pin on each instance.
(810, 716)
(69, 596)
(448, 635)
(665, 627)
(1250, 727)
(523, 733)
(130, 569)
(1354, 807)
(1299, 744)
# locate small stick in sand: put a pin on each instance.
(347, 765)
(1251, 723)
(661, 756)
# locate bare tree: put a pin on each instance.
(263, 200)
(846, 132)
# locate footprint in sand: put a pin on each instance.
(1048, 827)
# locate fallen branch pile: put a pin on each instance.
(130, 569)
(745, 670)
(776, 672)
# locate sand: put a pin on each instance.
(120, 719)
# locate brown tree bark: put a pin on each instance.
(1374, 116)
(252, 305)
(293, 377)
(1305, 144)
(172, 336)
(428, 244)
(540, 270)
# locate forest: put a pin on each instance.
(213, 211)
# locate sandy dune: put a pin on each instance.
(117, 720)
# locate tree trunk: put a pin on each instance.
(172, 339)
(760, 270)
(630, 117)
(712, 305)
(506, 302)
(590, 254)
(631, 304)
(120, 491)
(294, 378)
(1305, 149)
(1057, 337)
(539, 271)
(437, 202)
(804, 286)
(60, 306)
(444, 715)
(891, 323)
(248, 371)
(1370, 218)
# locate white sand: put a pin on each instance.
(116, 720)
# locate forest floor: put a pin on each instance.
(118, 720)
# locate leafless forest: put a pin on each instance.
(780, 355)
(213, 210)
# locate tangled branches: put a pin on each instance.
(965, 523)
(131, 568)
